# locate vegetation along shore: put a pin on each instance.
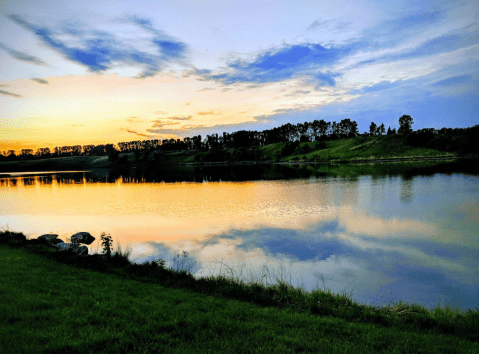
(308, 142)
(62, 302)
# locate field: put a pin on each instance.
(59, 303)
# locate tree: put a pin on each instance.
(381, 129)
(405, 123)
(372, 128)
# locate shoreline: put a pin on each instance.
(44, 267)
(122, 307)
(35, 167)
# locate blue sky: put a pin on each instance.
(128, 71)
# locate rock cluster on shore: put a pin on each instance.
(75, 245)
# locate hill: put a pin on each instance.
(346, 150)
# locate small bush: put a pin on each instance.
(106, 242)
(289, 148)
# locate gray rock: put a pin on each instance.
(48, 237)
(82, 251)
(82, 237)
(74, 247)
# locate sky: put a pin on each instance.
(90, 72)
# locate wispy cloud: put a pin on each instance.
(40, 81)
(380, 86)
(208, 113)
(180, 118)
(160, 123)
(6, 93)
(191, 129)
(133, 119)
(100, 50)
(329, 25)
(22, 56)
(307, 60)
(136, 133)
(455, 80)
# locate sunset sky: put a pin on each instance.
(94, 72)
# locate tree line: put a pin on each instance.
(302, 132)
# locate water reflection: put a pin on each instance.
(373, 231)
(406, 190)
(45, 180)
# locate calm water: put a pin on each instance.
(380, 233)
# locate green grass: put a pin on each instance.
(357, 149)
(55, 164)
(364, 148)
(56, 302)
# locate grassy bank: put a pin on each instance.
(57, 302)
(359, 149)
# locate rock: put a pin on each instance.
(74, 247)
(51, 238)
(82, 237)
(82, 251)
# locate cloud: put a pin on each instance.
(422, 33)
(454, 81)
(180, 118)
(318, 24)
(169, 47)
(329, 25)
(290, 61)
(391, 32)
(22, 56)
(40, 81)
(136, 133)
(2, 92)
(189, 127)
(442, 44)
(160, 123)
(133, 119)
(380, 86)
(101, 50)
(208, 113)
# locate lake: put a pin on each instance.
(379, 233)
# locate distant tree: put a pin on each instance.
(113, 156)
(334, 130)
(11, 155)
(393, 131)
(405, 124)
(373, 128)
(26, 154)
(323, 128)
(389, 131)
(348, 128)
(382, 130)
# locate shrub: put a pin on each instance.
(289, 148)
(106, 242)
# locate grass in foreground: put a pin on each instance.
(98, 304)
